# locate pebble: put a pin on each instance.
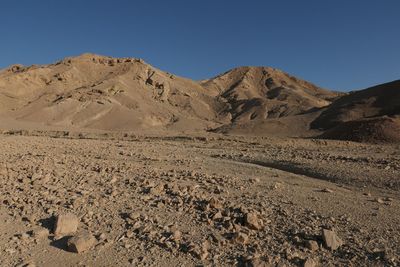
(253, 221)
(242, 238)
(311, 245)
(81, 242)
(66, 224)
(331, 240)
(309, 263)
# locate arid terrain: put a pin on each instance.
(185, 201)
(112, 162)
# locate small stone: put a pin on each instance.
(113, 180)
(203, 255)
(177, 235)
(242, 238)
(217, 216)
(134, 215)
(102, 236)
(81, 242)
(10, 250)
(380, 200)
(215, 203)
(66, 224)
(253, 221)
(327, 190)
(40, 233)
(297, 240)
(311, 245)
(310, 263)
(26, 264)
(157, 190)
(331, 240)
(24, 236)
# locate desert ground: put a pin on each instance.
(205, 200)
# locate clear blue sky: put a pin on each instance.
(337, 44)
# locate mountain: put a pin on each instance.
(376, 101)
(127, 94)
(91, 91)
(370, 115)
(97, 92)
(263, 99)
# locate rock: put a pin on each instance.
(310, 263)
(134, 215)
(24, 236)
(380, 200)
(157, 190)
(311, 245)
(327, 190)
(10, 250)
(81, 243)
(217, 216)
(66, 224)
(114, 179)
(26, 264)
(253, 221)
(102, 236)
(177, 235)
(242, 238)
(215, 203)
(331, 240)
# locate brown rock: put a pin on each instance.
(217, 216)
(177, 235)
(242, 238)
(134, 215)
(311, 245)
(157, 190)
(215, 203)
(81, 243)
(331, 240)
(310, 263)
(327, 190)
(40, 233)
(253, 221)
(66, 224)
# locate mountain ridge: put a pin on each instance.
(91, 91)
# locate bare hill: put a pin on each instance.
(265, 100)
(98, 92)
(92, 91)
(369, 115)
(376, 101)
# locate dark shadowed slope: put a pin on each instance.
(372, 102)
(370, 115)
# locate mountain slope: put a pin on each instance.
(261, 99)
(370, 115)
(376, 101)
(92, 91)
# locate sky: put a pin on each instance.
(340, 45)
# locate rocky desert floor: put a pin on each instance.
(210, 200)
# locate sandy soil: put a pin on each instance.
(210, 200)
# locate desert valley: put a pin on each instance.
(112, 162)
